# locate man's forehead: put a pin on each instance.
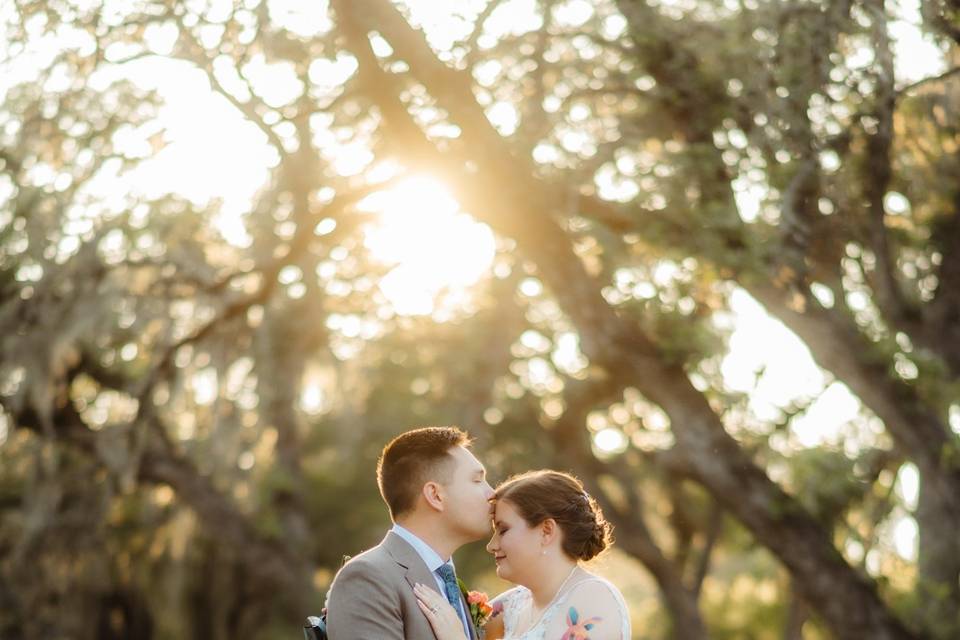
(466, 458)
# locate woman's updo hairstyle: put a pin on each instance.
(541, 495)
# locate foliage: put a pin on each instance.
(192, 411)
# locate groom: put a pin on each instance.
(437, 494)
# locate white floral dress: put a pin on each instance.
(589, 608)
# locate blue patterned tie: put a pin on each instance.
(446, 573)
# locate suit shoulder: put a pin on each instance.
(373, 574)
(371, 558)
(373, 562)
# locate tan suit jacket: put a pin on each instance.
(372, 596)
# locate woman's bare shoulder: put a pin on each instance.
(593, 607)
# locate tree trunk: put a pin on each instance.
(273, 569)
(939, 565)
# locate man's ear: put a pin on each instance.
(433, 494)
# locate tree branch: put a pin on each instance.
(949, 73)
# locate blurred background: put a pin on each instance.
(705, 254)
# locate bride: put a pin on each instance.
(544, 526)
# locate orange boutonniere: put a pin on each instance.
(480, 608)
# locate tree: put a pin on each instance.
(636, 141)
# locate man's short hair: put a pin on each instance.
(414, 458)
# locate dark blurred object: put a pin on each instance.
(315, 628)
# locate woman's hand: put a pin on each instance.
(442, 617)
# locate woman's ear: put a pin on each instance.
(433, 495)
(548, 530)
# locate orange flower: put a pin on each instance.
(480, 608)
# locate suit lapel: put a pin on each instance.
(408, 558)
(466, 609)
(417, 571)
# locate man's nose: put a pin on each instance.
(489, 491)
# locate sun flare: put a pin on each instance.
(432, 246)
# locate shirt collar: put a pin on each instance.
(430, 557)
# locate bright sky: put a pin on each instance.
(421, 228)
(213, 153)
